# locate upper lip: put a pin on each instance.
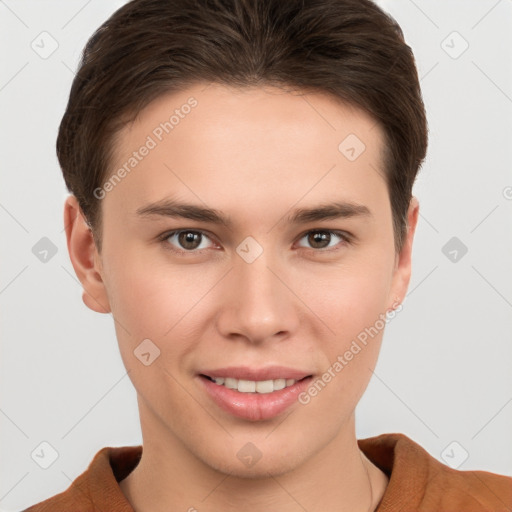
(267, 373)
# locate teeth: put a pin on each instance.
(254, 386)
(279, 384)
(230, 383)
(246, 386)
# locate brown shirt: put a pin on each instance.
(417, 482)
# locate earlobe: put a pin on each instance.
(84, 257)
(402, 273)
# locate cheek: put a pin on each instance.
(153, 307)
(354, 309)
(351, 301)
(156, 301)
(351, 297)
(151, 296)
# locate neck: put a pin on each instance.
(169, 477)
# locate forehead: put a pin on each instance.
(227, 146)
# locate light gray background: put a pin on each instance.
(444, 373)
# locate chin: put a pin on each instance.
(261, 470)
(250, 463)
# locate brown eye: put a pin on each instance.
(319, 239)
(189, 239)
(324, 239)
(186, 240)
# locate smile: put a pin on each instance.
(253, 386)
(254, 400)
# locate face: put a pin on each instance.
(251, 242)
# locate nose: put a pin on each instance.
(256, 302)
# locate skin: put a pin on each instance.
(254, 154)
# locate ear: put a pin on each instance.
(84, 257)
(403, 260)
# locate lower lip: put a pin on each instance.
(254, 406)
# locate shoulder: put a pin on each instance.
(419, 482)
(97, 488)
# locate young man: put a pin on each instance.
(241, 176)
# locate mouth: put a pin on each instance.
(253, 386)
(254, 395)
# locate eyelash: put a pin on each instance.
(346, 239)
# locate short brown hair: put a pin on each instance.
(348, 48)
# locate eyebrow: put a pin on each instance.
(176, 209)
